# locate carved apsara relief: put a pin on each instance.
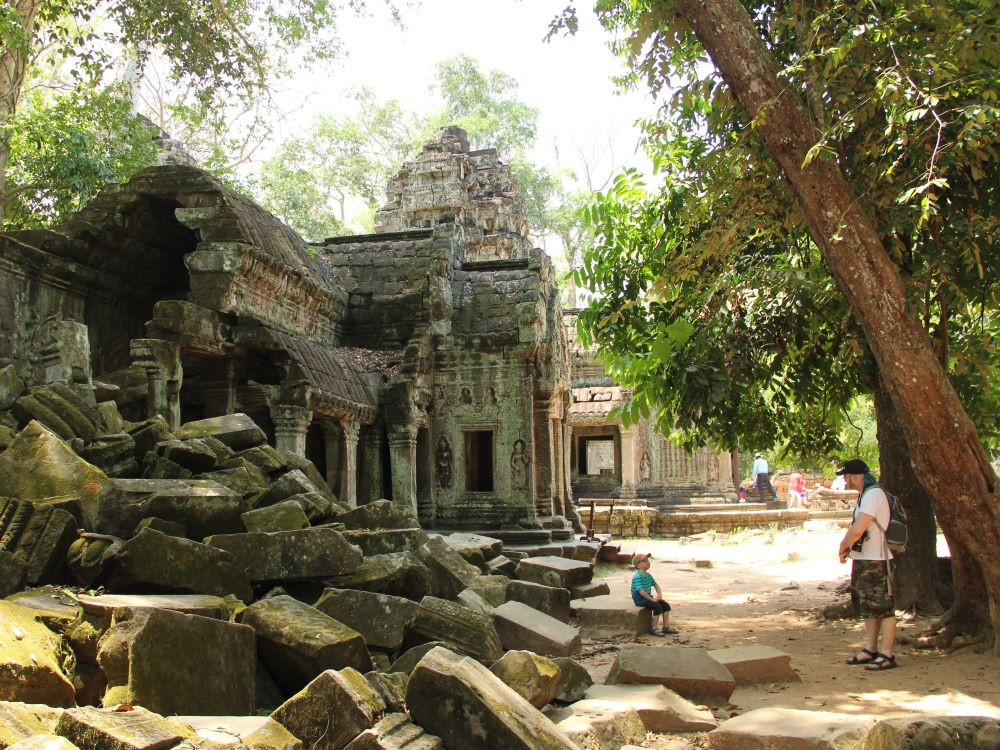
(520, 463)
(443, 462)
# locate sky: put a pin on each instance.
(568, 79)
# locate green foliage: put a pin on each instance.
(904, 95)
(66, 147)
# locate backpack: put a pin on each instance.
(896, 532)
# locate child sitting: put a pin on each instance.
(643, 586)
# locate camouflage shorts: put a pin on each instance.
(870, 588)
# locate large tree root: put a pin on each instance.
(953, 632)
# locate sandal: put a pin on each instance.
(670, 630)
(872, 656)
(881, 662)
(657, 632)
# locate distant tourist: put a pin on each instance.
(796, 490)
(871, 592)
(838, 483)
(761, 474)
(643, 586)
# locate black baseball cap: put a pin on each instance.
(853, 466)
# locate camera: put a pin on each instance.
(858, 544)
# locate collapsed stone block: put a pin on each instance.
(100, 610)
(331, 710)
(382, 620)
(37, 534)
(40, 466)
(152, 562)
(60, 409)
(11, 386)
(32, 659)
(91, 558)
(395, 732)
(597, 724)
(284, 516)
(611, 616)
(112, 454)
(548, 599)
(532, 676)
(250, 732)
(660, 709)
(160, 467)
(690, 672)
(92, 728)
(13, 573)
(467, 706)
(163, 660)
(938, 732)
(203, 507)
(449, 571)
(292, 483)
(574, 679)
(43, 742)
(290, 555)
(147, 434)
(581, 550)
(501, 565)
(521, 627)
(381, 514)
(398, 573)
(409, 659)
(296, 642)
(590, 590)
(474, 601)
(20, 720)
(789, 727)
(491, 588)
(554, 571)
(385, 541)
(264, 457)
(52, 606)
(750, 665)
(390, 686)
(460, 628)
(237, 431)
(170, 528)
(193, 455)
(245, 479)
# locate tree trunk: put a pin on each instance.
(947, 456)
(915, 571)
(14, 55)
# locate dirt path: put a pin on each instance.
(765, 588)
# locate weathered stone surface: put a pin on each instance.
(574, 679)
(382, 620)
(589, 590)
(203, 507)
(690, 672)
(467, 706)
(136, 729)
(39, 535)
(385, 541)
(60, 409)
(100, 610)
(284, 516)
(535, 678)
(160, 467)
(112, 454)
(381, 514)
(238, 431)
(20, 720)
(391, 687)
(147, 434)
(767, 728)
(31, 660)
(660, 708)
(152, 562)
(548, 599)
(937, 732)
(460, 628)
(194, 455)
(521, 627)
(331, 710)
(754, 664)
(554, 571)
(492, 588)
(395, 732)
(111, 421)
(170, 528)
(249, 732)
(297, 642)
(449, 571)
(317, 506)
(43, 742)
(246, 479)
(313, 474)
(487, 547)
(291, 483)
(610, 616)
(40, 466)
(581, 550)
(49, 604)
(163, 660)
(409, 659)
(502, 565)
(598, 724)
(91, 557)
(11, 386)
(399, 573)
(13, 573)
(264, 457)
(290, 555)
(473, 600)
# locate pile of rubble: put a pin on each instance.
(197, 588)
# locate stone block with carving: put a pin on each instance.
(297, 642)
(382, 620)
(59, 408)
(395, 732)
(461, 628)
(522, 627)
(39, 535)
(689, 672)
(466, 705)
(163, 660)
(315, 553)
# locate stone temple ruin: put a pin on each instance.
(426, 363)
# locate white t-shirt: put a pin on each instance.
(874, 503)
(839, 483)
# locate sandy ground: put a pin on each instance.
(766, 587)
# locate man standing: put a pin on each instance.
(864, 542)
(762, 476)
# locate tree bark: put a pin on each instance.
(14, 56)
(915, 571)
(947, 455)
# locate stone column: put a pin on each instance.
(373, 464)
(558, 467)
(542, 433)
(568, 460)
(290, 425)
(332, 442)
(161, 361)
(403, 464)
(628, 463)
(349, 484)
(218, 388)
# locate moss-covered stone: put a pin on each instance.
(252, 732)
(399, 573)
(90, 559)
(35, 664)
(290, 555)
(11, 386)
(381, 619)
(450, 573)
(21, 720)
(532, 676)
(264, 457)
(13, 573)
(574, 679)
(381, 514)
(44, 742)
(237, 431)
(133, 729)
(384, 541)
(246, 479)
(284, 516)
(462, 629)
(53, 606)
(38, 534)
